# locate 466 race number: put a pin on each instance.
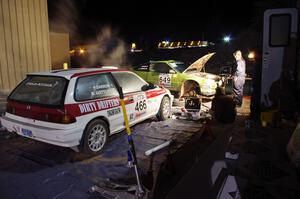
(141, 105)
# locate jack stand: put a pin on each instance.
(139, 191)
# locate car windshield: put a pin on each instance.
(179, 66)
(43, 90)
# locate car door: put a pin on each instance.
(96, 95)
(135, 99)
(160, 74)
(176, 73)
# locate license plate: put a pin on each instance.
(27, 132)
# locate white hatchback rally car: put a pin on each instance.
(81, 107)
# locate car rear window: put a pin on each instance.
(43, 90)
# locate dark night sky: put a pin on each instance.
(152, 20)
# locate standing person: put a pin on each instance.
(239, 78)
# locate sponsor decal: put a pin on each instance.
(98, 93)
(105, 104)
(42, 84)
(113, 112)
(139, 114)
(139, 97)
(131, 116)
(128, 99)
(98, 105)
(102, 86)
(87, 107)
(99, 90)
(143, 68)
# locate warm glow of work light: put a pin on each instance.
(133, 46)
(251, 55)
(81, 51)
(65, 65)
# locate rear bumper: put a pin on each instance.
(64, 136)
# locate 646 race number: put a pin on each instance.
(141, 105)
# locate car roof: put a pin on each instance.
(76, 72)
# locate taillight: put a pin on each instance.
(53, 115)
(68, 119)
(60, 118)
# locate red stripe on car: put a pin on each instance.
(154, 93)
(84, 108)
(76, 109)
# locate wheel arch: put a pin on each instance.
(101, 118)
(166, 95)
(186, 81)
(98, 117)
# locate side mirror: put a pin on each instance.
(151, 86)
(148, 87)
(171, 71)
(145, 87)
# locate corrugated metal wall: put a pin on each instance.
(24, 40)
(59, 49)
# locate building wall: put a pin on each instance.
(24, 40)
(60, 49)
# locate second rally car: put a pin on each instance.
(175, 74)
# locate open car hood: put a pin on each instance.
(200, 63)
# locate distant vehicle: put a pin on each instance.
(80, 107)
(173, 75)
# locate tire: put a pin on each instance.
(94, 137)
(165, 109)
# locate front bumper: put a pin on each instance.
(64, 136)
(208, 90)
(208, 93)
